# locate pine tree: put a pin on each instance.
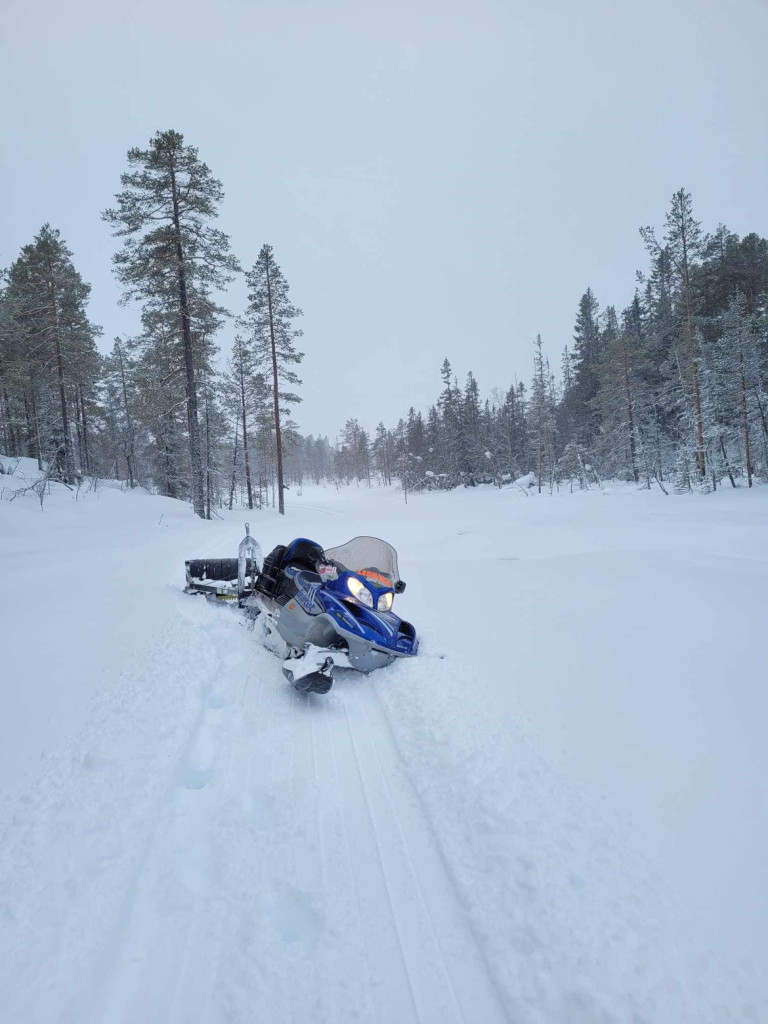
(247, 392)
(542, 415)
(164, 213)
(121, 402)
(269, 322)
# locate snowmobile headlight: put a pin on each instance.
(360, 591)
(385, 602)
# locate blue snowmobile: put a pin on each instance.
(315, 609)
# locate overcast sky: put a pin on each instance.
(437, 178)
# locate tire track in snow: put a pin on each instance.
(472, 979)
(318, 508)
(450, 977)
(357, 993)
(342, 920)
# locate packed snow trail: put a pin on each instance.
(184, 838)
(294, 869)
(262, 858)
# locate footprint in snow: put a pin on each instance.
(96, 762)
(195, 777)
(293, 916)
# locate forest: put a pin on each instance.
(670, 390)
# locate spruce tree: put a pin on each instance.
(578, 415)
(542, 415)
(684, 246)
(49, 299)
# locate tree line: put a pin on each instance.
(156, 410)
(671, 390)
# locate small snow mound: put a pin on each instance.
(528, 481)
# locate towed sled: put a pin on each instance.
(315, 609)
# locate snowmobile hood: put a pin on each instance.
(383, 629)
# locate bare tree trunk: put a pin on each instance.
(693, 352)
(234, 470)
(29, 440)
(129, 422)
(276, 400)
(539, 444)
(69, 473)
(36, 420)
(246, 454)
(630, 418)
(208, 474)
(80, 461)
(745, 417)
(4, 417)
(11, 442)
(763, 422)
(86, 451)
(164, 442)
(727, 463)
(36, 425)
(195, 454)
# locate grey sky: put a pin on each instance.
(437, 178)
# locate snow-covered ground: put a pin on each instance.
(556, 813)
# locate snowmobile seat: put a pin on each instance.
(300, 554)
(303, 554)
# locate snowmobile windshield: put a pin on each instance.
(367, 555)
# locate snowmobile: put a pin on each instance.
(315, 609)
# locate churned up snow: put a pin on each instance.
(555, 814)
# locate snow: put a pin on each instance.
(556, 813)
